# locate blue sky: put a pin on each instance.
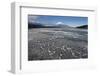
(67, 20)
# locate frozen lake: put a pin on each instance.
(57, 43)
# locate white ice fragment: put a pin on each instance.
(61, 54)
(54, 51)
(68, 48)
(49, 51)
